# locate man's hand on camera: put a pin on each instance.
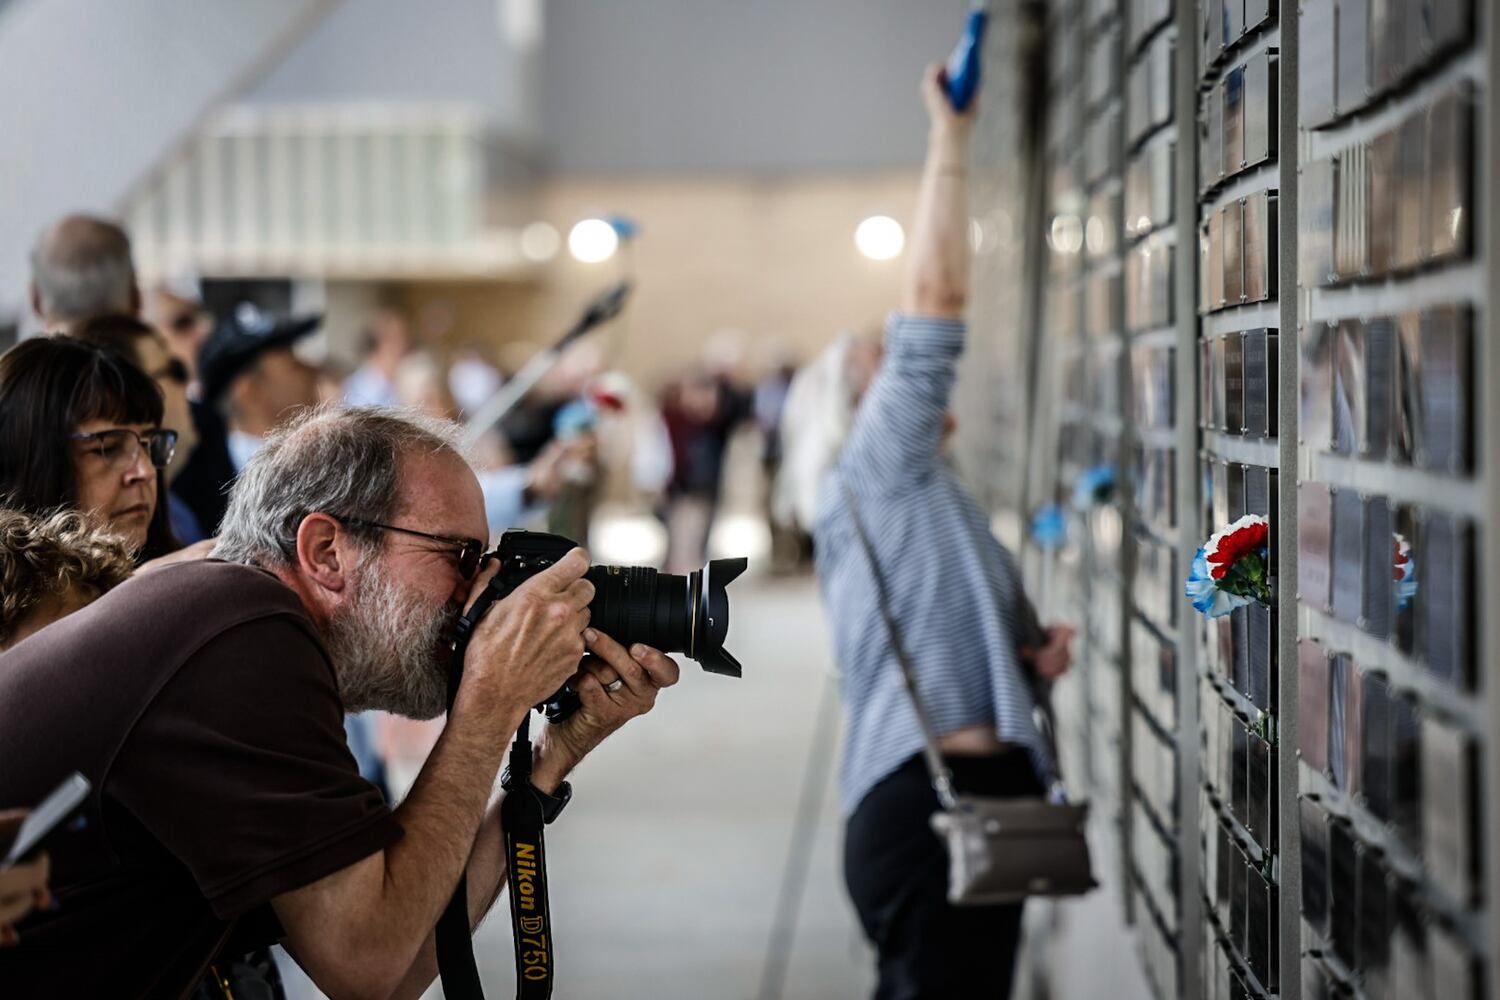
(642, 673)
(530, 643)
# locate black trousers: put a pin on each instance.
(896, 869)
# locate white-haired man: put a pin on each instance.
(205, 702)
(81, 268)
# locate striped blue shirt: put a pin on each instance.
(954, 590)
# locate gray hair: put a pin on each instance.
(344, 461)
(82, 268)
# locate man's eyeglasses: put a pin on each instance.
(121, 447)
(469, 551)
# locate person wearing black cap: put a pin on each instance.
(251, 381)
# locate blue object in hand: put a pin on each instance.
(962, 71)
(578, 417)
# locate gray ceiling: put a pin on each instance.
(758, 85)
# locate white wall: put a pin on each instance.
(93, 93)
(407, 51)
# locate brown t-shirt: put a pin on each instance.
(199, 701)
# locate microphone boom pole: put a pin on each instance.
(605, 307)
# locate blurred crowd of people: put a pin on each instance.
(125, 424)
(226, 381)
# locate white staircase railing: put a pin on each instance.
(334, 191)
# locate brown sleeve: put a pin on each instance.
(240, 769)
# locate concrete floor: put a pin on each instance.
(667, 869)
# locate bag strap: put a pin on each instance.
(1041, 690)
(942, 778)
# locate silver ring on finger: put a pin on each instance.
(614, 685)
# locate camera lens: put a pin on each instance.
(672, 613)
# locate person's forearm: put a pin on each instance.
(487, 866)
(441, 818)
(486, 875)
(359, 930)
(937, 277)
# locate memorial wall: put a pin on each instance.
(1257, 292)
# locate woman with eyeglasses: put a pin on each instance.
(80, 428)
(148, 348)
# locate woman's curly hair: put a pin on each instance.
(49, 556)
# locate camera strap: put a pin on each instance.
(522, 817)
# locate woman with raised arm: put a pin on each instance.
(957, 597)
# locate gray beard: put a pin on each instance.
(390, 649)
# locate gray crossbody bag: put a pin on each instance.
(999, 850)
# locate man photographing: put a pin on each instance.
(205, 703)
